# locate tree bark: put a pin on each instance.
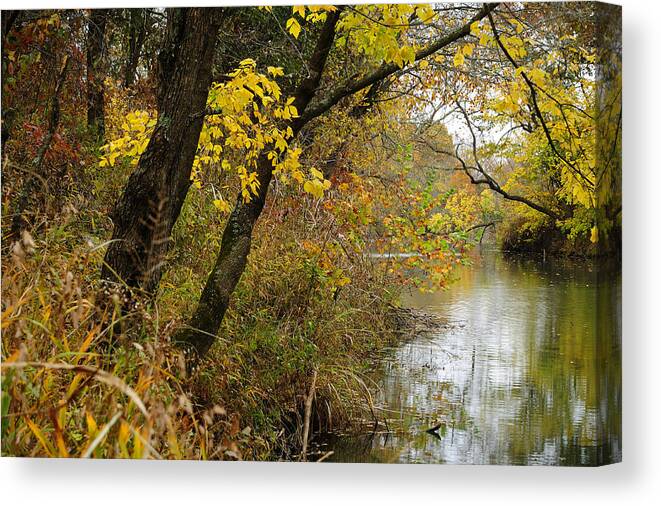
(137, 32)
(96, 31)
(150, 205)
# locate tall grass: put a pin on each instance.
(73, 387)
(86, 375)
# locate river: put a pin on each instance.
(526, 371)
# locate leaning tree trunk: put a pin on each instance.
(96, 31)
(198, 336)
(148, 209)
(200, 333)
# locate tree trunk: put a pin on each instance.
(150, 205)
(198, 336)
(30, 200)
(96, 31)
(137, 32)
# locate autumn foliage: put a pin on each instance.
(346, 153)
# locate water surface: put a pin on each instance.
(526, 371)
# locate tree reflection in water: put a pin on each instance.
(527, 372)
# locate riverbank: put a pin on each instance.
(296, 363)
(544, 238)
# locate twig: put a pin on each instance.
(308, 413)
(325, 456)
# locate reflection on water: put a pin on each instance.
(527, 372)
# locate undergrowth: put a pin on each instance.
(82, 376)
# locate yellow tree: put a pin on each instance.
(529, 93)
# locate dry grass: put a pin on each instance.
(81, 378)
(73, 387)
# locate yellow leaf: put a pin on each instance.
(138, 447)
(61, 445)
(298, 175)
(308, 187)
(275, 71)
(299, 9)
(316, 173)
(74, 384)
(594, 234)
(40, 436)
(88, 340)
(221, 205)
(425, 13)
(407, 54)
(294, 27)
(537, 75)
(519, 26)
(343, 281)
(459, 59)
(92, 427)
(123, 438)
(314, 187)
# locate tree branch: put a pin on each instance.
(535, 103)
(486, 178)
(308, 87)
(386, 70)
